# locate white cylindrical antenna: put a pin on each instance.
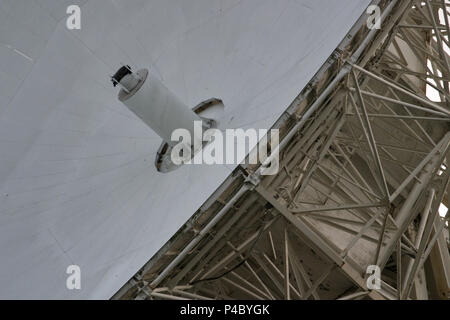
(153, 103)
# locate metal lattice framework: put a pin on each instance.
(363, 171)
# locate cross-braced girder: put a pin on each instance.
(364, 168)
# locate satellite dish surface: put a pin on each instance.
(78, 184)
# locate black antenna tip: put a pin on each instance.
(122, 72)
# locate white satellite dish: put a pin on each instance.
(78, 184)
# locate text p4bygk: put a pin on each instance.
(227, 309)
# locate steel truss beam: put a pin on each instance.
(362, 176)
